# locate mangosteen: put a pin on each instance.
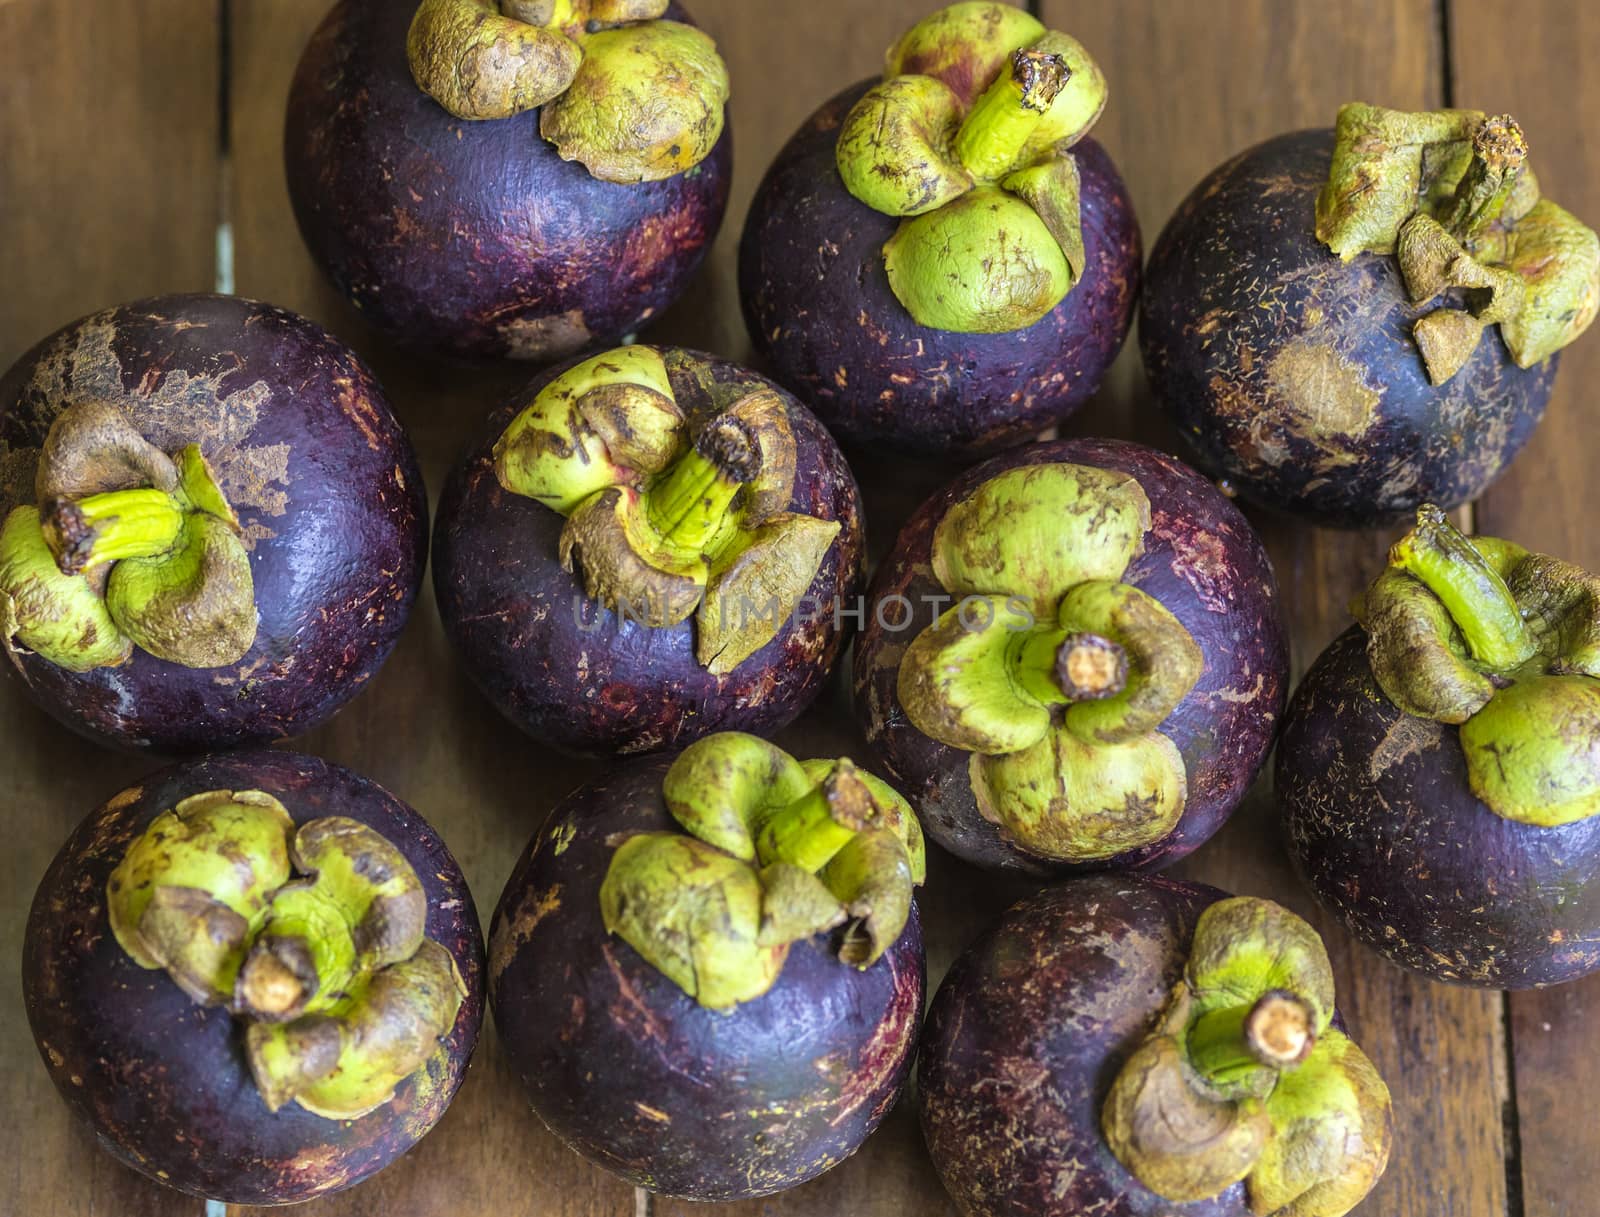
(1073, 659)
(941, 261)
(709, 971)
(1122, 1044)
(647, 547)
(1439, 770)
(516, 179)
(212, 527)
(1347, 324)
(256, 977)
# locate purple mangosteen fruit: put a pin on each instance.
(1134, 1046)
(709, 971)
(648, 547)
(256, 977)
(940, 261)
(1073, 659)
(519, 179)
(1439, 770)
(212, 528)
(1314, 316)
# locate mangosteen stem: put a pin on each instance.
(140, 523)
(689, 505)
(1009, 112)
(1278, 1030)
(1437, 554)
(820, 823)
(1499, 150)
(1058, 666)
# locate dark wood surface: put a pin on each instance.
(112, 183)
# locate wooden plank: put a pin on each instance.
(108, 185)
(1190, 86)
(1535, 68)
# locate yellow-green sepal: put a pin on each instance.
(1164, 660)
(1053, 189)
(963, 45)
(1037, 530)
(1377, 176)
(756, 585)
(348, 1062)
(610, 420)
(197, 883)
(894, 148)
(1531, 751)
(60, 618)
(479, 64)
(1071, 800)
(984, 263)
(693, 913)
(723, 787)
(1557, 257)
(956, 686)
(194, 606)
(647, 103)
(1332, 1127)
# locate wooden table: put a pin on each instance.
(132, 133)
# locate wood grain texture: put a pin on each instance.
(108, 186)
(1539, 67)
(1190, 86)
(107, 143)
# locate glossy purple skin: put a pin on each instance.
(475, 239)
(576, 676)
(1383, 826)
(821, 313)
(1026, 1035)
(636, 1076)
(318, 469)
(1202, 560)
(163, 1083)
(1238, 278)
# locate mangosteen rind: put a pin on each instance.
(147, 1068)
(1072, 769)
(1296, 374)
(589, 679)
(776, 852)
(1046, 720)
(281, 435)
(630, 96)
(990, 239)
(1115, 995)
(699, 530)
(821, 311)
(476, 239)
(1202, 1104)
(639, 1077)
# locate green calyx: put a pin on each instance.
(1244, 1078)
(629, 95)
(1505, 643)
(667, 517)
(129, 547)
(1055, 675)
(773, 851)
(342, 996)
(1449, 193)
(967, 137)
